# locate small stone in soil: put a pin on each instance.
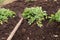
(43, 37)
(55, 35)
(27, 38)
(55, 0)
(3, 38)
(23, 30)
(46, 0)
(6, 33)
(30, 33)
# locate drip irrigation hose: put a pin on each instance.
(15, 29)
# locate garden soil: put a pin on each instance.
(34, 32)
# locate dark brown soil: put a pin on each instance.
(33, 32)
(6, 28)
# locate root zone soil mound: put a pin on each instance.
(28, 32)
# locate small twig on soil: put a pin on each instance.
(15, 29)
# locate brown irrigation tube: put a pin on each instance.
(6, 2)
(15, 29)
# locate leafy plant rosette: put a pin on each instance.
(34, 14)
(5, 14)
(55, 17)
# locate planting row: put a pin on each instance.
(33, 14)
(36, 14)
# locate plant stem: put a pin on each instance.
(50, 21)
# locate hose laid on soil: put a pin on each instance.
(5, 2)
(15, 29)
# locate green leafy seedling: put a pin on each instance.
(34, 14)
(54, 17)
(5, 14)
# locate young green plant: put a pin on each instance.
(54, 17)
(34, 14)
(5, 14)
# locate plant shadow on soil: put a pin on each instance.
(26, 32)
